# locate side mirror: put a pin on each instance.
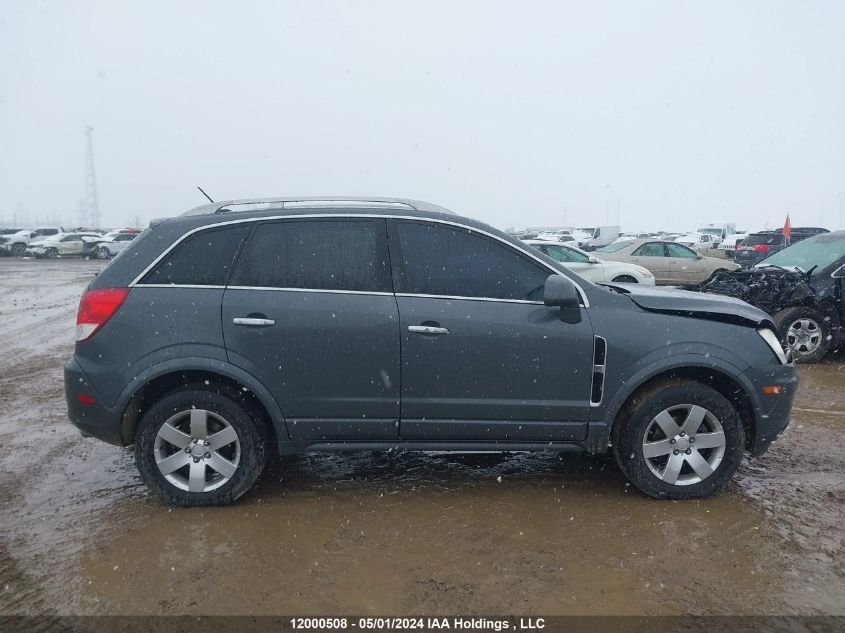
(562, 293)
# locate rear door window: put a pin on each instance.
(679, 250)
(442, 260)
(317, 254)
(202, 259)
(650, 249)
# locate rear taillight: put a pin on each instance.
(95, 309)
(761, 247)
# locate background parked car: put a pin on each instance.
(60, 245)
(802, 287)
(16, 243)
(108, 245)
(698, 240)
(671, 263)
(593, 268)
(758, 246)
(731, 243)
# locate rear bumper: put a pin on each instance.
(91, 418)
(771, 411)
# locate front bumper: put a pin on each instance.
(92, 418)
(771, 411)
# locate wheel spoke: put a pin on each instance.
(694, 419)
(196, 482)
(710, 440)
(656, 449)
(673, 469)
(174, 462)
(222, 465)
(667, 424)
(699, 465)
(199, 423)
(172, 435)
(222, 438)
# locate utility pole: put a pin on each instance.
(92, 207)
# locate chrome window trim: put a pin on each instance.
(320, 290)
(461, 298)
(300, 216)
(209, 287)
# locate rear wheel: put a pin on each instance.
(200, 448)
(51, 253)
(806, 332)
(679, 440)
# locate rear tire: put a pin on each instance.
(185, 472)
(51, 253)
(806, 331)
(700, 452)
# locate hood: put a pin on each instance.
(694, 304)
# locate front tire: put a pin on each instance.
(806, 332)
(197, 447)
(51, 253)
(102, 253)
(678, 440)
(624, 279)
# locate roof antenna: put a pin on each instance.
(205, 194)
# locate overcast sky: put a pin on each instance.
(516, 113)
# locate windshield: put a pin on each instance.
(820, 251)
(612, 248)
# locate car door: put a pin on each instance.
(652, 255)
(310, 312)
(70, 244)
(688, 266)
(483, 359)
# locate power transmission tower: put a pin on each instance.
(92, 207)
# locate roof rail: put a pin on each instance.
(310, 202)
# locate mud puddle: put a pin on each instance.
(400, 533)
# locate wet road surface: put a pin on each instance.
(396, 533)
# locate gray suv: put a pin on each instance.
(247, 329)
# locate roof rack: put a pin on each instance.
(259, 204)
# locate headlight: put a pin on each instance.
(644, 273)
(772, 339)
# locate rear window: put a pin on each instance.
(203, 259)
(321, 254)
(758, 239)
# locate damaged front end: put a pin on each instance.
(770, 289)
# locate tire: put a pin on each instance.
(51, 253)
(102, 253)
(806, 331)
(241, 459)
(18, 250)
(639, 431)
(624, 279)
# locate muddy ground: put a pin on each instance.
(387, 533)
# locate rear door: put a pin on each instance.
(310, 312)
(687, 265)
(482, 358)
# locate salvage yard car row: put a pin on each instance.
(53, 242)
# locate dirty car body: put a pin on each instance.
(246, 329)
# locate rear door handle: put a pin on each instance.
(427, 329)
(252, 322)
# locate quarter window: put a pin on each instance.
(452, 261)
(203, 259)
(319, 254)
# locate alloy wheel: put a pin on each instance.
(684, 444)
(197, 450)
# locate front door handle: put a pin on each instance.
(253, 322)
(427, 329)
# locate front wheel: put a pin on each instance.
(806, 332)
(198, 447)
(624, 279)
(678, 440)
(51, 253)
(102, 253)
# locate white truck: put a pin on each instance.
(16, 243)
(719, 230)
(591, 238)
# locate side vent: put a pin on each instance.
(599, 363)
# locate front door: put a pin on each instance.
(482, 357)
(652, 256)
(310, 312)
